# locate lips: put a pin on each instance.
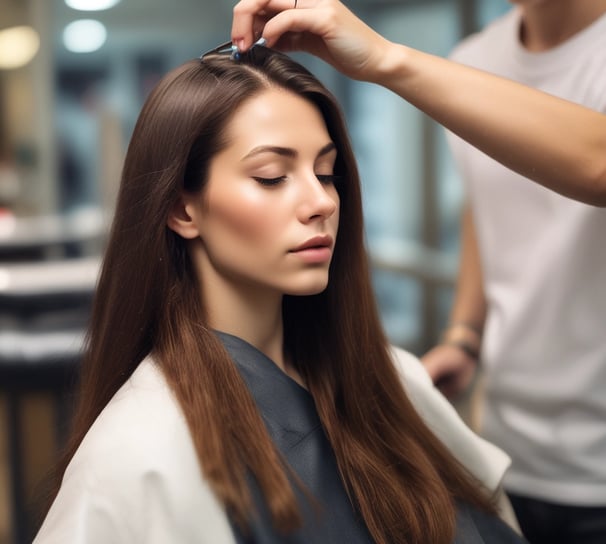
(317, 242)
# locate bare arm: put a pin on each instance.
(470, 303)
(554, 142)
(452, 363)
(557, 143)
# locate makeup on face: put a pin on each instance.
(269, 214)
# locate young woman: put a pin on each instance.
(237, 385)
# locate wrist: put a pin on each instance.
(392, 68)
(465, 328)
(464, 335)
(470, 350)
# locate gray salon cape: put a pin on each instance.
(136, 477)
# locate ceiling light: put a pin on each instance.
(18, 45)
(91, 5)
(84, 36)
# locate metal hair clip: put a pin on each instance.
(231, 50)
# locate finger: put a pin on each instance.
(258, 26)
(302, 29)
(432, 369)
(299, 41)
(248, 13)
(450, 385)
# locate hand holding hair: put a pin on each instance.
(324, 28)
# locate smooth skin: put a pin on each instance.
(266, 222)
(552, 141)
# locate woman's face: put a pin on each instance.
(267, 218)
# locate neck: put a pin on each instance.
(549, 23)
(255, 318)
(249, 312)
(251, 316)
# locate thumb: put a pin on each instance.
(432, 365)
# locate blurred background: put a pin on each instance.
(73, 76)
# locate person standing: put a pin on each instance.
(530, 302)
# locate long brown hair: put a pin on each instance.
(399, 477)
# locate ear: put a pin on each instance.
(182, 219)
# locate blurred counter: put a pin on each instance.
(80, 232)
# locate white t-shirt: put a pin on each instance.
(544, 264)
(136, 478)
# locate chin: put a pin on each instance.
(307, 290)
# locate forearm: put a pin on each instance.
(554, 142)
(557, 143)
(469, 307)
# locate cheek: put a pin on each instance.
(245, 213)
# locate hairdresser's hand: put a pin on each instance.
(325, 28)
(451, 369)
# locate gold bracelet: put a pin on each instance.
(470, 350)
(466, 325)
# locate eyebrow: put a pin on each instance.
(285, 151)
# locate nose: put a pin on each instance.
(319, 200)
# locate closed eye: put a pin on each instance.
(329, 179)
(269, 181)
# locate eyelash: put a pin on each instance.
(269, 181)
(326, 179)
(329, 179)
